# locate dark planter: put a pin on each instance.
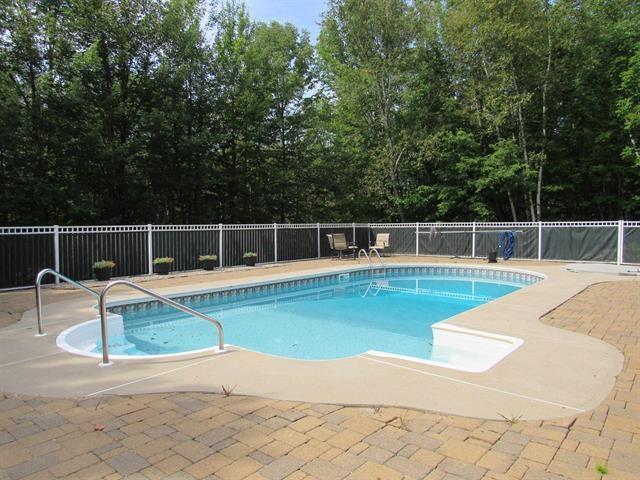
(102, 274)
(163, 268)
(209, 264)
(493, 257)
(250, 261)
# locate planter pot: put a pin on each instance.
(493, 257)
(250, 261)
(209, 264)
(163, 268)
(102, 274)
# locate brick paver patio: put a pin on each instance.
(193, 435)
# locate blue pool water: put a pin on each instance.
(392, 315)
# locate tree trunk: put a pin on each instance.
(545, 87)
(283, 164)
(634, 145)
(523, 143)
(512, 206)
(392, 162)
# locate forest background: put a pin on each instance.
(184, 111)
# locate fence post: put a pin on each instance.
(150, 248)
(275, 242)
(353, 232)
(473, 241)
(539, 241)
(56, 250)
(417, 238)
(318, 227)
(220, 244)
(620, 257)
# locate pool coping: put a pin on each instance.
(245, 286)
(546, 378)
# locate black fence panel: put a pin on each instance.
(297, 243)
(185, 246)
(488, 239)
(236, 242)
(451, 241)
(78, 252)
(23, 256)
(597, 244)
(402, 240)
(631, 245)
(364, 237)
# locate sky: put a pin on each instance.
(304, 14)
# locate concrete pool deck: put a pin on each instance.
(186, 436)
(555, 373)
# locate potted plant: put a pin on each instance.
(102, 269)
(163, 265)
(208, 261)
(250, 259)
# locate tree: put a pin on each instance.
(366, 51)
(284, 59)
(136, 111)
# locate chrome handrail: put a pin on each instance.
(161, 299)
(362, 250)
(39, 277)
(374, 249)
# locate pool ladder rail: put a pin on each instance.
(102, 305)
(158, 297)
(39, 277)
(368, 257)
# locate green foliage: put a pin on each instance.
(602, 469)
(138, 111)
(159, 260)
(104, 264)
(203, 258)
(249, 255)
(628, 103)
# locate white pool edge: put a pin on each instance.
(186, 293)
(513, 342)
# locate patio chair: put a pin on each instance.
(338, 243)
(381, 243)
(331, 244)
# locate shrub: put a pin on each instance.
(159, 260)
(104, 264)
(203, 258)
(249, 255)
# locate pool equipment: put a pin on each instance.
(507, 243)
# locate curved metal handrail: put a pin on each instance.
(374, 249)
(161, 299)
(362, 250)
(39, 277)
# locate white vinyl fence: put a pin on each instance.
(72, 250)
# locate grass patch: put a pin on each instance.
(512, 420)
(227, 390)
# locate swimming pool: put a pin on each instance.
(396, 311)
